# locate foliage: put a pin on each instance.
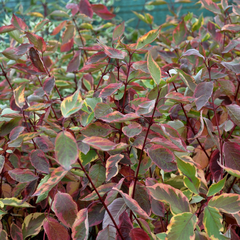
(105, 139)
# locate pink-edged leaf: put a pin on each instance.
(99, 143)
(73, 7)
(233, 172)
(233, 28)
(182, 226)
(8, 28)
(112, 52)
(39, 161)
(44, 143)
(227, 87)
(2, 162)
(116, 208)
(80, 227)
(66, 149)
(55, 230)
(3, 235)
(113, 194)
(112, 166)
(226, 202)
(202, 93)
(40, 25)
(59, 28)
(174, 197)
(231, 153)
(211, 6)
(125, 226)
(16, 132)
(106, 234)
(92, 48)
(132, 129)
(234, 113)
(22, 175)
(141, 65)
(233, 66)
(23, 48)
(142, 197)
(19, 96)
(48, 85)
(16, 232)
(85, 8)
(102, 190)
(97, 173)
(32, 224)
(68, 33)
(97, 57)
(95, 214)
(133, 204)
(231, 45)
(138, 234)
(93, 67)
(215, 169)
(37, 41)
(193, 52)
(102, 11)
(178, 97)
(147, 38)
(36, 60)
(118, 31)
(163, 158)
(55, 178)
(67, 46)
(146, 107)
(10, 53)
(180, 33)
(74, 64)
(18, 23)
(97, 129)
(110, 89)
(65, 208)
(118, 117)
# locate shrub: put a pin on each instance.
(103, 139)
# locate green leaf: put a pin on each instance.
(212, 221)
(14, 202)
(216, 187)
(32, 224)
(89, 157)
(71, 104)
(226, 202)
(180, 33)
(234, 113)
(182, 226)
(154, 69)
(147, 38)
(66, 149)
(98, 174)
(170, 195)
(59, 13)
(190, 179)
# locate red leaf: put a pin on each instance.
(74, 8)
(67, 46)
(125, 226)
(55, 230)
(22, 175)
(37, 41)
(8, 28)
(59, 28)
(215, 169)
(23, 48)
(211, 6)
(138, 234)
(48, 85)
(99, 143)
(36, 60)
(39, 161)
(18, 23)
(231, 153)
(85, 8)
(119, 117)
(163, 158)
(102, 11)
(65, 208)
(92, 67)
(97, 57)
(16, 132)
(110, 89)
(75, 62)
(16, 232)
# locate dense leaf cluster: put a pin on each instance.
(105, 138)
